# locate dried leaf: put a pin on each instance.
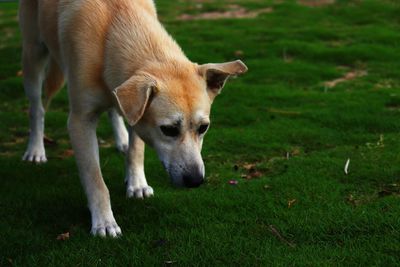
(291, 203)
(388, 190)
(49, 141)
(296, 151)
(63, 237)
(248, 166)
(254, 174)
(352, 200)
(276, 233)
(67, 153)
(238, 53)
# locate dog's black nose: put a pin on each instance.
(193, 181)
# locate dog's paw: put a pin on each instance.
(104, 229)
(122, 146)
(35, 154)
(121, 138)
(139, 192)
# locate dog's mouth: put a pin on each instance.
(186, 180)
(173, 177)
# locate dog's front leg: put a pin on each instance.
(136, 184)
(82, 130)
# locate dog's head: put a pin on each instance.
(169, 107)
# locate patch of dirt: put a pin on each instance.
(233, 11)
(351, 75)
(316, 3)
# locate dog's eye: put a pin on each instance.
(203, 128)
(171, 131)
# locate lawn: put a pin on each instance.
(323, 87)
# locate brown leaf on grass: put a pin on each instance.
(67, 153)
(351, 75)
(276, 233)
(251, 170)
(389, 190)
(291, 202)
(294, 152)
(252, 174)
(248, 166)
(63, 237)
(104, 143)
(234, 11)
(352, 200)
(384, 193)
(49, 141)
(316, 3)
(238, 53)
(19, 73)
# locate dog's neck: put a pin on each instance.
(136, 42)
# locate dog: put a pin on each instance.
(115, 55)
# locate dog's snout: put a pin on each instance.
(192, 181)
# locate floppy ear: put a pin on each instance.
(217, 74)
(134, 95)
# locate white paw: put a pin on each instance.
(122, 146)
(139, 191)
(35, 154)
(104, 228)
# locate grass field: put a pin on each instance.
(323, 86)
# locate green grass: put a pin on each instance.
(279, 106)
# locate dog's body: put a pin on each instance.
(116, 55)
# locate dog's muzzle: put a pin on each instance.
(191, 177)
(192, 181)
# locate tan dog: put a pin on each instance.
(116, 54)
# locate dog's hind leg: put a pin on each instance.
(120, 132)
(53, 83)
(34, 60)
(135, 179)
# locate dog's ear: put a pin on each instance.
(134, 95)
(217, 74)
